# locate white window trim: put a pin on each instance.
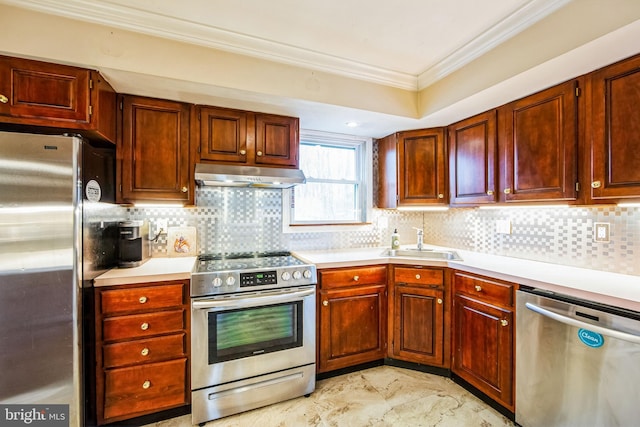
(312, 135)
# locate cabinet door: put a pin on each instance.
(352, 326)
(34, 90)
(154, 142)
(422, 167)
(276, 140)
(223, 134)
(540, 152)
(418, 325)
(473, 155)
(483, 347)
(615, 124)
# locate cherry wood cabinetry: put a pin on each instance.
(413, 170)
(613, 122)
(473, 165)
(352, 316)
(142, 349)
(153, 147)
(235, 136)
(483, 335)
(418, 315)
(53, 96)
(539, 153)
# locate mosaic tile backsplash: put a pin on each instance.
(239, 220)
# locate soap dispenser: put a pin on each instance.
(395, 240)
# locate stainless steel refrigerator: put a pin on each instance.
(45, 197)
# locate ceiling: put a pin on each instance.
(408, 45)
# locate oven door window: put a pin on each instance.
(234, 334)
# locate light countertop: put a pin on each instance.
(619, 290)
(156, 269)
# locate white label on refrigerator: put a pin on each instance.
(93, 191)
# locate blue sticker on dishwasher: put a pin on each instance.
(590, 338)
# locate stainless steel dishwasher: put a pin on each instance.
(577, 362)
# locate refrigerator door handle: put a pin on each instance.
(579, 324)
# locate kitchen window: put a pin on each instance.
(338, 172)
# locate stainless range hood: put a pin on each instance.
(247, 176)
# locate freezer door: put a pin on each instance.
(575, 365)
(39, 277)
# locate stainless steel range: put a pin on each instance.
(253, 328)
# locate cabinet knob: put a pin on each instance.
(490, 193)
(504, 322)
(325, 303)
(142, 299)
(507, 191)
(184, 189)
(596, 184)
(439, 300)
(3, 99)
(243, 152)
(478, 288)
(440, 196)
(259, 153)
(356, 278)
(144, 326)
(145, 351)
(418, 276)
(146, 384)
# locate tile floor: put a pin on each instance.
(380, 396)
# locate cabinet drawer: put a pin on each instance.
(142, 325)
(353, 277)
(418, 276)
(484, 289)
(144, 351)
(145, 388)
(141, 298)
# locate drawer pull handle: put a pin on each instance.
(142, 299)
(507, 191)
(3, 99)
(440, 196)
(144, 326)
(145, 351)
(184, 189)
(259, 153)
(243, 152)
(596, 184)
(478, 288)
(439, 300)
(325, 303)
(418, 276)
(504, 322)
(490, 193)
(356, 278)
(146, 384)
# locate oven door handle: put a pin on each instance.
(251, 301)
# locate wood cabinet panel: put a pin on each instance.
(473, 153)
(422, 167)
(485, 289)
(144, 350)
(154, 142)
(142, 325)
(418, 276)
(223, 134)
(142, 298)
(277, 140)
(540, 146)
(614, 124)
(353, 277)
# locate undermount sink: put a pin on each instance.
(423, 253)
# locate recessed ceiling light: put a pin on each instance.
(352, 124)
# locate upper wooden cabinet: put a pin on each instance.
(53, 96)
(539, 146)
(235, 136)
(473, 153)
(613, 124)
(413, 169)
(153, 147)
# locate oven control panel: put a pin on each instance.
(258, 278)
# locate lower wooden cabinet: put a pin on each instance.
(418, 316)
(352, 316)
(483, 335)
(142, 349)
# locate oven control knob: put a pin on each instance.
(286, 276)
(230, 281)
(217, 282)
(297, 275)
(307, 274)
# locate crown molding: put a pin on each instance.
(140, 21)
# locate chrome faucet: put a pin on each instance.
(420, 238)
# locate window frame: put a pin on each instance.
(365, 192)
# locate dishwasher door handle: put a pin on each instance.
(579, 324)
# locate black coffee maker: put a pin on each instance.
(134, 246)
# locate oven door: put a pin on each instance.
(243, 335)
